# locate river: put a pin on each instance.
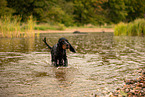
(100, 65)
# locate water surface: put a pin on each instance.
(102, 62)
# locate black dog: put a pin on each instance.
(58, 52)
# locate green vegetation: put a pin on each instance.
(46, 26)
(135, 28)
(29, 27)
(75, 12)
(61, 14)
(10, 26)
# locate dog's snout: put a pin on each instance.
(67, 46)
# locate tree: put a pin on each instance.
(100, 11)
(4, 10)
(61, 11)
(116, 10)
(83, 11)
(26, 8)
(135, 9)
(89, 11)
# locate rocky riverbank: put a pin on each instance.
(132, 88)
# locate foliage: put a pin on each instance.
(29, 27)
(10, 26)
(57, 15)
(89, 11)
(120, 29)
(116, 10)
(50, 27)
(74, 12)
(61, 27)
(135, 9)
(26, 8)
(44, 27)
(4, 10)
(135, 28)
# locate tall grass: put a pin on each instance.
(120, 29)
(29, 27)
(10, 26)
(135, 28)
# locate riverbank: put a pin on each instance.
(132, 87)
(134, 28)
(77, 29)
(68, 30)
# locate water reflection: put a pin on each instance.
(65, 76)
(17, 44)
(100, 65)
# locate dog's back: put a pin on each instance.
(58, 52)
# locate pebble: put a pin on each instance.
(132, 88)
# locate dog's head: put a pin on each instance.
(64, 44)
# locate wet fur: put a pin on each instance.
(58, 53)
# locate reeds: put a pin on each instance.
(29, 27)
(10, 26)
(135, 28)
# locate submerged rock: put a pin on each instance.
(78, 32)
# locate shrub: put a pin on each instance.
(61, 27)
(29, 29)
(135, 28)
(10, 26)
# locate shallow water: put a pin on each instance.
(102, 63)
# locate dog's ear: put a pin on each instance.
(71, 48)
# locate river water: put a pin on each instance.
(100, 65)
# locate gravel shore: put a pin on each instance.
(132, 88)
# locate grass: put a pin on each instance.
(10, 26)
(135, 28)
(47, 26)
(29, 27)
(44, 27)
